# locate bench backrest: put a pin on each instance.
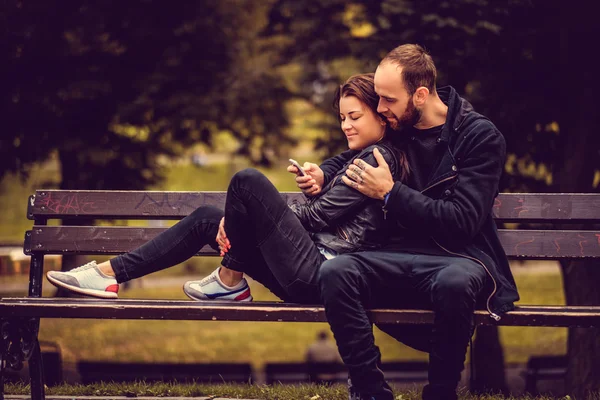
(539, 211)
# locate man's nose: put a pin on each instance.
(381, 108)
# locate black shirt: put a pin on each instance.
(421, 152)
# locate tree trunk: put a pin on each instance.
(574, 172)
(581, 288)
(488, 375)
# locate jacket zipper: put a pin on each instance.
(344, 234)
(493, 315)
(437, 183)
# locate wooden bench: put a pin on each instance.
(333, 372)
(20, 316)
(96, 371)
(541, 368)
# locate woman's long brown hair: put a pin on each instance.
(362, 86)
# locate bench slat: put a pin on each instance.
(549, 244)
(508, 207)
(265, 311)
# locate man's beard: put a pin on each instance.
(409, 118)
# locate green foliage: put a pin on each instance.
(516, 61)
(111, 85)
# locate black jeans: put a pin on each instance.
(351, 283)
(268, 242)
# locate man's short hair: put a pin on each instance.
(417, 65)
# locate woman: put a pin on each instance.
(282, 247)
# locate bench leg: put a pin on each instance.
(36, 373)
(36, 367)
(19, 339)
(531, 384)
(3, 354)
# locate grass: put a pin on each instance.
(237, 391)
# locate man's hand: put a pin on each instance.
(373, 182)
(312, 183)
(222, 240)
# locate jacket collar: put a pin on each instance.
(458, 110)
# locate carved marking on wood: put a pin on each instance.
(179, 202)
(524, 242)
(68, 204)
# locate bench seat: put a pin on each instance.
(271, 311)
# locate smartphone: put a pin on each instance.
(297, 165)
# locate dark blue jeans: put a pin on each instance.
(351, 283)
(268, 242)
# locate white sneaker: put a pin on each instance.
(212, 288)
(87, 279)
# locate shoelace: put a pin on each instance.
(207, 278)
(84, 266)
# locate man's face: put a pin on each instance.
(394, 101)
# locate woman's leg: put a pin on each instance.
(173, 246)
(268, 242)
(169, 248)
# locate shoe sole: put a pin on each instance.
(247, 299)
(87, 292)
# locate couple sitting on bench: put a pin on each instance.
(401, 219)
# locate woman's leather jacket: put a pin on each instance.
(343, 219)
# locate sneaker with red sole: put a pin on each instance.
(88, 280)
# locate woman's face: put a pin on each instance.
(361, 126)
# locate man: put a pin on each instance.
(444, 253)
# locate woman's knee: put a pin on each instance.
(208, 213)
(248, 176)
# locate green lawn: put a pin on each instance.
(263, 392)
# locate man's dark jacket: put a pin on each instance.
(455, 208)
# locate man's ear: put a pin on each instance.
(420, 96)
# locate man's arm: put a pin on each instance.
(460, 215)
(332, 165)
(336, 203)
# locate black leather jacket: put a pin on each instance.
(342, 218)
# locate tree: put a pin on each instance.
(109, 86)
(522, 63)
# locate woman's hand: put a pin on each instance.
(222, 240)
(312, 182)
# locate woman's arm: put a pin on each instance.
(339, 201)
(332, 166)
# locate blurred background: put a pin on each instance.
(179, 95)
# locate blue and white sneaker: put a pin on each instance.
(212, 288)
